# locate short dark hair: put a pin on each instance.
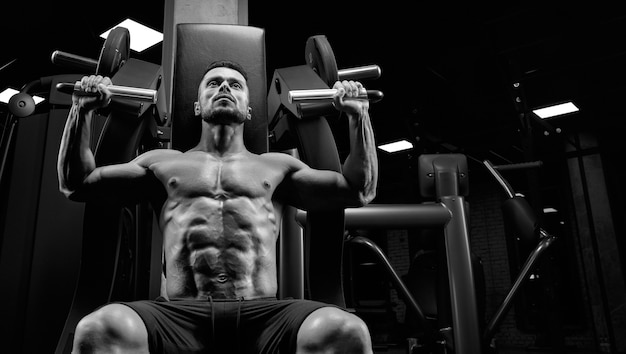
(227, 64)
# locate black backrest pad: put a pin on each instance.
(198, 44)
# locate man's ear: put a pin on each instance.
(196, 108)
(249, 115)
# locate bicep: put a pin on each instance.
(126, 171)
(317, 189)
(120, 182)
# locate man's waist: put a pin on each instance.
(219, 299)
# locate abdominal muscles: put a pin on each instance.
(223, 248)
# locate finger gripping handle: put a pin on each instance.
(134, 93)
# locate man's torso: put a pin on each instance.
(219, 224)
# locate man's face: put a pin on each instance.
(223, 97)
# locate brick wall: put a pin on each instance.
(399, 257)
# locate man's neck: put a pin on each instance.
(222, 139)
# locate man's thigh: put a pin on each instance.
(272, 326)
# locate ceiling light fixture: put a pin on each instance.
(555, 110)
(141, 37)
(396, 146)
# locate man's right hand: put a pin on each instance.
(94, 93)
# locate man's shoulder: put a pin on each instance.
(162, 152)
(281, 157)
(157, 155)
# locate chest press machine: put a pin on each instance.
(121, 252)
(128, 265)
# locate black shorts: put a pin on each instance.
(223, 326)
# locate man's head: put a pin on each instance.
(223, 95)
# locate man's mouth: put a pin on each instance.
(223, 96)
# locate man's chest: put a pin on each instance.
(208, 176)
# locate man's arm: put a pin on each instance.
(79, 178)
(361, 166)
(356, 185)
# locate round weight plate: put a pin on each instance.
(320, 57)
(115, 52)
(21, 105)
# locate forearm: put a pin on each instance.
(361, 166)
(75, 160)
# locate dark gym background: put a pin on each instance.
(456, 79)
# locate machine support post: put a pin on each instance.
(444, 177)
(466, 332)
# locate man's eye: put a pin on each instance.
(212, 83)
(236, 85)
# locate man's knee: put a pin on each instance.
(112, 326)
(332, 328)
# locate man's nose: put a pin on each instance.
(224, 86)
